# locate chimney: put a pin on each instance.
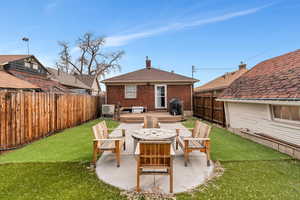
(242, 66)
(148, 63)
(58, 72)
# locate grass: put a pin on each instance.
(48, 181)
(226, 146)
(57, 168)
(253, 180)
(73, 144)
(252, 171)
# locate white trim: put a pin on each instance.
(273, 102)
(155, 95)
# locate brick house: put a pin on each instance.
(265, 102)
(151, 88)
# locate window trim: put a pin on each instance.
(155, 96)
(283, 121)
(125, 90)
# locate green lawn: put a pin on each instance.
(252, 171)
(73, 144)
(49, 181)
(253, 180)
(226, 146)
(57, 168)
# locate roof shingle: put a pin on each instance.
(150, 75)
(9, 81)
(67, 79)
(9, 58)
(45, 83)
(221, 82)
(275, 78)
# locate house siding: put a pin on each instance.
(257, 118)
(146, 95)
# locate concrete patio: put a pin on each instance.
(124, 177)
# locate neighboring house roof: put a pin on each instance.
(86, 79)
(45, 83)
(4, 59)
(274, 79)
(221, 82)
(10, 81)
(149, 75)
(67, 79)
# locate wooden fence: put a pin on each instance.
(28, 116)
(206, 107)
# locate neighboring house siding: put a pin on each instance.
(257, 118)
(146, 97)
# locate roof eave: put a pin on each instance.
(147, 81)
(274, 101)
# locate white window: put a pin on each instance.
(130, 91)
(286, 113)
(35, 66)
(27, 64)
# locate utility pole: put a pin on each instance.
(194, 70)
(25, 39)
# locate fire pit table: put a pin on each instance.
(153, 134)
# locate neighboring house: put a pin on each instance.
(9, 82)
(151, 88)
(69, 81)
(29, 69)
(92, 82)
(217, 86)
(266, 99)
(205, 104)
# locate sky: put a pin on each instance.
(213, 35)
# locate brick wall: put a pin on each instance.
(145, 95)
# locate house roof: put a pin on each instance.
(149, 75)
(4, 59)
(43, 82)
(86, 79)
(9, 81)
(67, 79)
(221, 82)
(276, 79)
(9, 58)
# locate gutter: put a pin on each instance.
(274, 101)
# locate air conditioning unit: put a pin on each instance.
(108, 109)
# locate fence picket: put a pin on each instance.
(27, 116)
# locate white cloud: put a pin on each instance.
(120, 40)
(50, 6)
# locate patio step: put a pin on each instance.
(160, 119)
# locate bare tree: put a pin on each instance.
(91, 59)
